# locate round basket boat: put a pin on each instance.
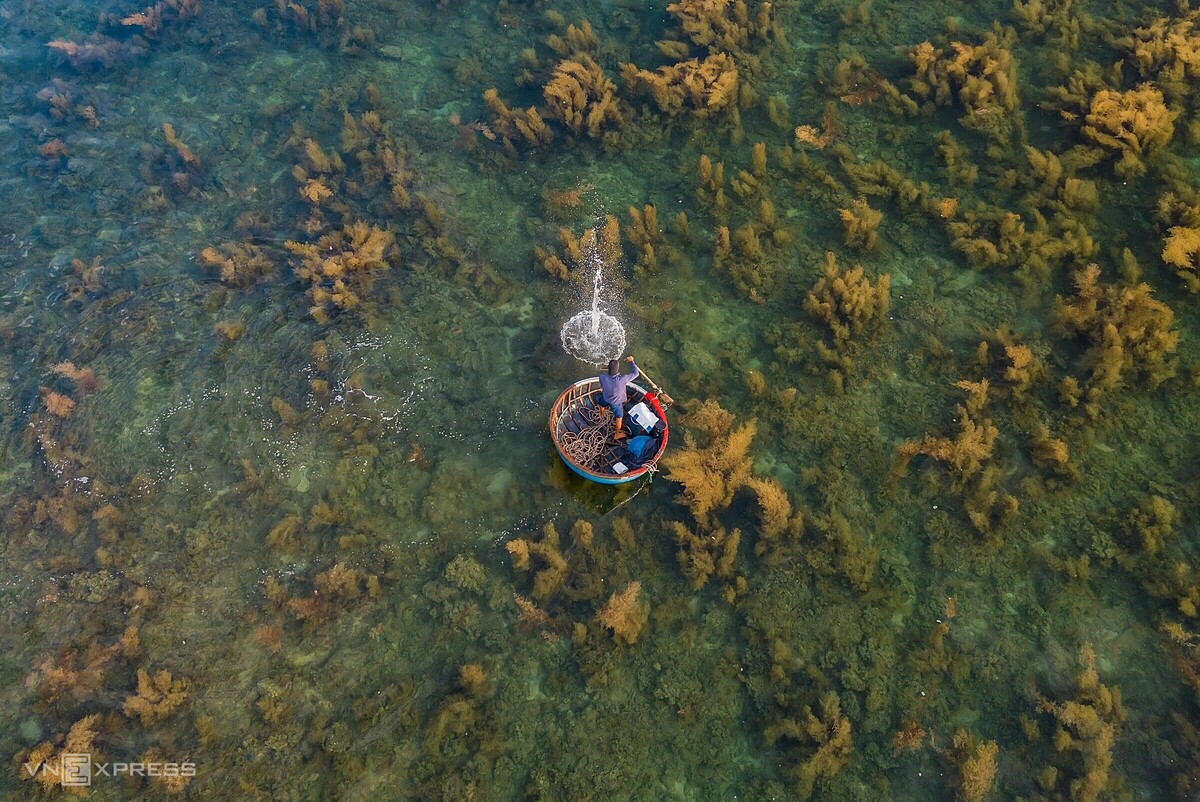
(581, 426)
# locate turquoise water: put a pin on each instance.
(307, 501)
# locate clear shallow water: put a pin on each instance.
(306, 522)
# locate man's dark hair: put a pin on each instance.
(614, 367)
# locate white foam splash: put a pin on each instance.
(594, 336)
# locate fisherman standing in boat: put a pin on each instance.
(613, 384)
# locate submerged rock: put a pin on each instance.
(31, 730)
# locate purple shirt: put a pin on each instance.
(614, 386)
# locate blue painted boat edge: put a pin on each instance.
(600, 479)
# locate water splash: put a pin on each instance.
(594, 336)
(596, 300)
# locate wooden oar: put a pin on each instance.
(666, 399)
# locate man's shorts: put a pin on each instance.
(618, 410)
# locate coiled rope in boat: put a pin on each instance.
(587, 446)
